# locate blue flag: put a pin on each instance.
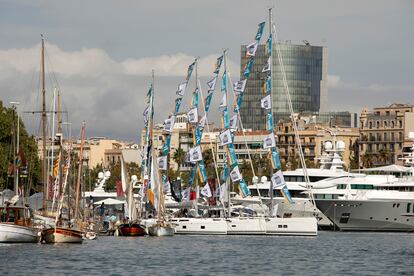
(269, 45)
(224, 82)
(202, 171)
(192, 175)
(275, 159)
(248, 67)
(269, 123)
(226, 119)
(166, 146)
(286, 194)
(260, 31)
(177, 105)
(224, 173)
(190, 70)
(208, 102)
(243, 188)
(195, 98)
(218, 64)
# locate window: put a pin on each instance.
(408, 207)
(203, 227)
(344, 217)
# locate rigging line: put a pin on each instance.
(293, 117)
(52, 75)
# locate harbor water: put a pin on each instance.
(330, 253)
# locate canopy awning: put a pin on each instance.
(389, 168)
(109, 201)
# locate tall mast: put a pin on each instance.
(79, 171)
(45, 184)
(227, 180)
(58, 115)
(271, 100)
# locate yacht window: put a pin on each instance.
(344, 217)
(203, 227)
(341, 186)
(184, 227)
(408, 207)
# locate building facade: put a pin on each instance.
(384, 134)
(306, 73)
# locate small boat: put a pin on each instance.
(90, 235)
(161, 229)
(15, 225)
(131, 229)
(62, 235)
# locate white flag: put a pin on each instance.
(192, 116)
(181, 89)
(223, 102)
(167, 187)
(239, 86)
(225, 137)
(266, 102)
(169, 124)
(274, 211)
(269, 141)
(220, 191)
(185, 195)
(212, 84)
(195, 154)
(278, 180)
(251, 49)
(146, 114)
(162, 162)
(235, 174)
(206, 191)
(267, 66)
(202, 122)
(233, 122)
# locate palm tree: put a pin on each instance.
(367, 159)
(179, 157)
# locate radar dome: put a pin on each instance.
(328, 145)
(340, 145)
(108, 174)
(100, 175)
(255, 179)
(134, 178)
(263, 179)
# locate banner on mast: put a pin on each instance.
(225, 138)
(251, 49)
(235, 174)
(266, 102)
(181, 89)
(260, 31)
(192, 116)
(269, 141)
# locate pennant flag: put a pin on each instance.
(181, 89)
(266, 68)
(166, 146)
(162, 162)
(146, 114)
(286, 194)
(278, 180)
(225, 172)
(243, 188)
(248, 68)
(195, 154)
(218, 64)
(193, 173)
(212, 84)
(202, 171)
(239, 86)
(225, 138)
(266, 103)
(208, 102)
(269, 123)
(206, 191)
(238, 103)
(233, 122)
(185, 195)
(177, 105)
(224, 82)
(192, 116)
(195, 98)
(203, 122)
(223, 103)
(260, 31)
(198, 135)
(169, 124)
(225, 118)
(269, 141)
(232, 154)
(251, 49)
(235, 174)
(275, 160)
(269, 46)
(268, 85)
(274, 211)
(190, 70)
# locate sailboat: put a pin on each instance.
(16, 221)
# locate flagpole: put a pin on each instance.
(271, 106)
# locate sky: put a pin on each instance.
(100, 53)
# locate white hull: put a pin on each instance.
(160, 231)
(16, 233)
(200, 226)
(62, 235)
(246, 226)
(306, 226)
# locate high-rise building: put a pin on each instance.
(306, 74)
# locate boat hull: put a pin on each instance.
(200, 226)
(160, 231)
(372, 215)
(11, 233)
(246, 226)
(131, 230)
(62, 235)
(305, 226)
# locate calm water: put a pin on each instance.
(328, 254)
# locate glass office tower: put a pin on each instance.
(306, 74)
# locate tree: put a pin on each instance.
(367, 159)
(179, 158)
(384, 155)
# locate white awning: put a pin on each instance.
(109, 201)
(389, 168)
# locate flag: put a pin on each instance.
(146, 114)
(223, 103)
(225, 138)
(198, 135)
(177, 105)
(195, 154)
(233, 122)
(218, 64)
(195, 98)
(266, 103)
(266, 68)
(203, 122)
(269, 123)
(212, 84)
(274, 211)
(192, 116)
(202, 171)
(224, 82)
(232, 154)
(225, 118)
(239, 86)
(185, 195)
(235, 174)
(169, 124)
(275, 160)
(162, 162)
(269, 141)
(278, 180)
(206, 191)
(251, 49)
(248, 67)
(225, 172)
(269, 45)
(181, 89)
(238, 103)
(243, 187)
(166, 146)
(208, 102)
(286, 194)
(166, 185)
(190, 70)
(260, 31)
